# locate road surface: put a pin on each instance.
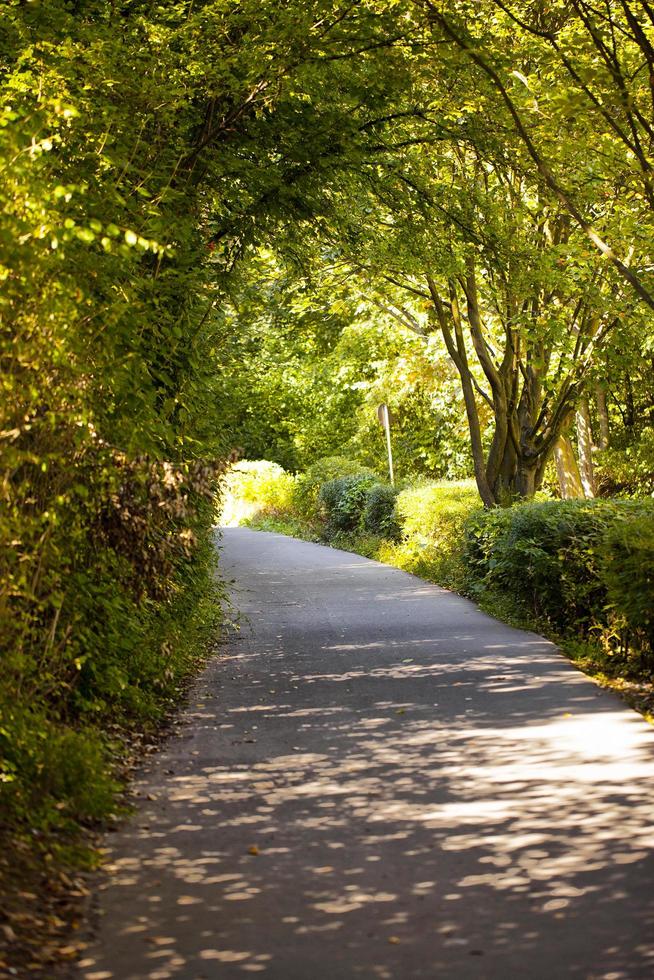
(376, 780)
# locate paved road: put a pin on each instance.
(379, 781)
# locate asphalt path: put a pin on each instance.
(376, 780)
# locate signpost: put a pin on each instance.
(384, 416)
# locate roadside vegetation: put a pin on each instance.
(232, 230)
(581, 571)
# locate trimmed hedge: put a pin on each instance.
(431, 517)
(436, 512)
(587, 566)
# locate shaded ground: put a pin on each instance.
(379, 781)
(41, 911)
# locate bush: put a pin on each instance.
(555, 557)
(105, 633)
(379, 512)
(628, 574)
(435, 513)
(343, 502)
(45, 762)
(308, 484)
(432, 516)
(255, 487)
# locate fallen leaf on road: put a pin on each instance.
(253, 850)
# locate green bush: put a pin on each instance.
(435, 513)
(343, 502)
(431, 516)
(552, 556)
(627, 571)
(43, 761)
(378, 515)
(124, 604)
(308, 484)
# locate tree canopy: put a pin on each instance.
(239, 226)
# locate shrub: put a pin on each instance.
(308, 484)
(45, 761)
(432, 516)
(379, 512)
(552, 555)
(256, 487)
(435, 513)
(107, 630)
(343, 502)
(627, 571)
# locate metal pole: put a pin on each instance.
(387, 426)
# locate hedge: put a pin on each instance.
(308, 484)
(587, 566)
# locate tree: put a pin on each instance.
(608, 54)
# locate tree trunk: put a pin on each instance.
(603, 416)
(525, 482)
(585, 448)
(567, 470)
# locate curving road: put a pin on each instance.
(376, 780)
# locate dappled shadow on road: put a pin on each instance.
(434, 806)
(421, 839)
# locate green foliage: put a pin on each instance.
(254, 487)
(46, 761)
(628, 573)
(308, 484)
(343, 502)
(436, 512)
(108, 457)
(432, 516)
(125, 604)
(559, 558)
(378, 515)
(628, 470)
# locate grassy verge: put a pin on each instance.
(44, 868)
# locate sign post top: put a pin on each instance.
(384, 415)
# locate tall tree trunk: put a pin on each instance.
(567, 470)
(526, 478)
(451, 329)
(603, 416)
(585, 448)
